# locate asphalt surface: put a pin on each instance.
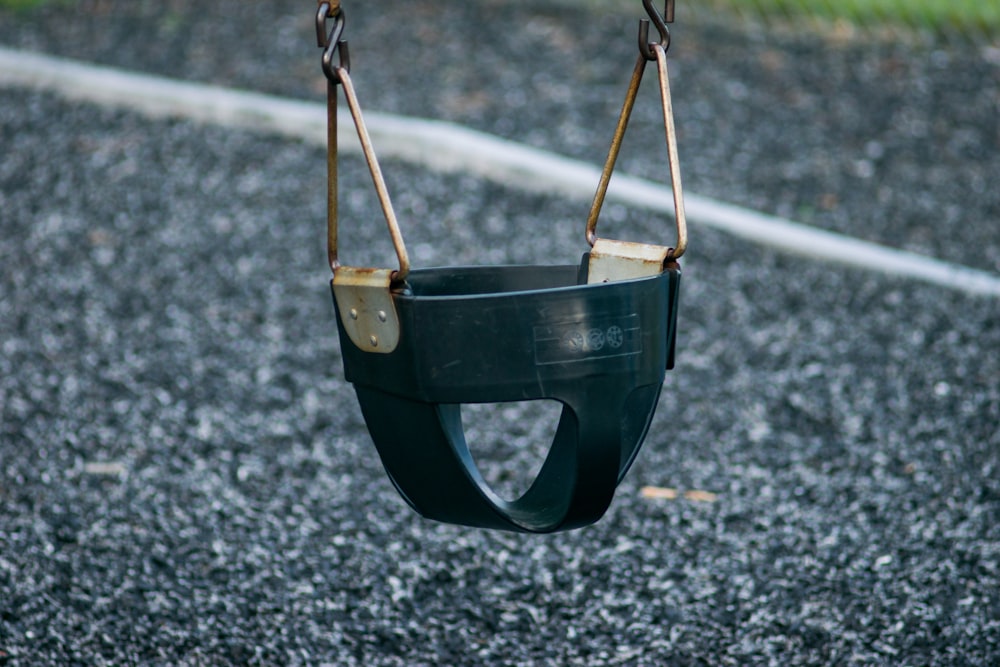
(185, 477)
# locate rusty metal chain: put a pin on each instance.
(655, 51)
(336, 67)
(338, 73)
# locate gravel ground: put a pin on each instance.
(185, 477)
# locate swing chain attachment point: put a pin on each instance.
(660, 21)
(338, 75)
(331, 41)
(655, 51)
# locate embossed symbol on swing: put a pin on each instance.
(587, 340)
(595, 339)
(575, 342)
(615, 336)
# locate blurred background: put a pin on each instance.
(926, 20)
(185, 477)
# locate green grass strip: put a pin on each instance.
(936, 15)
(19, 5)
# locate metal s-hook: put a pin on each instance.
(326, 11)
(660, 21)
(332, 42)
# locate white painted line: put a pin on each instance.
(447, 147)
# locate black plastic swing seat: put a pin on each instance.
(515, 333)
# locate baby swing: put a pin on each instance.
(597, 337)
